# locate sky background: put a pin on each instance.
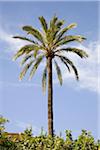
(76, 104)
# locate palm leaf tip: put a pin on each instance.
(14, 37)
(25, 69)
(65, 63)
(14, 57)
(65, 59)
(53, 21)
(23, 38)
(44, 77)
(60, 23)
(34, 68)
(76, 72)
(77, 51)
(72, 25)
(58, 72)
(77, 77)
(43, 23)
(26, 28)
(79, 38)
(25, 59)
(82, 38)
(20, 79)
(84, 55)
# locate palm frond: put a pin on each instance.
(77, 51)
(58, 72)
(70, 38)
(44, 77)
(25, 69)
(34, 68)
(49, 36)
(25, 50)
(55, 26)
(43, 23)
(59, 24)
(24, 38)
(34, 32)
(26, 58)
(53, 21)
(35, 53)
(65, 63)
(71, 64)
(65, 30)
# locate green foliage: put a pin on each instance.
(58, 72)
(24, 38)
(27, 141)
(28, 132)
(25, 69)
(2, 123)
(65, 30)
(85, 142)
(34, 68)
(44, 77)
(67, 62)
(77, 51)
(43, 24)
(34, 32)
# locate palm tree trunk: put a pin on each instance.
(50, 97)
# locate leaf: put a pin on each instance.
(58, 72)
(25, 69)
(55, 26)
(18, 54)
(70, 38)
(26, 58)
(44, 77)
(35, 53)
(65, 30)
(60, 23)
(43, 23)
(78, 51)
(34, 32)
(53, 21)
(24, 38)
(71, 64)
(25, 50)
(65, 64)
(38, 61)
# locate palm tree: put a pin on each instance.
(49, 44)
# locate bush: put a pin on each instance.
(26, 141)
(44, 142)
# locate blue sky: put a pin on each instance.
(76, 104)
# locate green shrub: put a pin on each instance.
(26, 140)
(85, 141)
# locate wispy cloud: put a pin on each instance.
(21, 85)
(23, 125)
(7, 38)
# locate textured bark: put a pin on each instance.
(50, 97)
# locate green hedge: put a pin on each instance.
(85, 141)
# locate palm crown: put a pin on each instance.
(51, 42)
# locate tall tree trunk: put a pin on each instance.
(50, 97)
